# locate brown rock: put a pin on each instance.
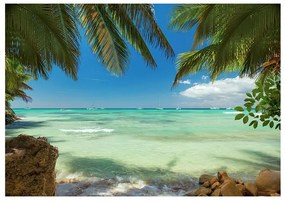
(263, 193)
(229, 189)
(268, 181)
(202, 190)
(215, 185)
(241, 188)
(251, 189)
(190, 193)
(222, 176)
(30, 167)
(239, 182)
(275, 194)
(206, 184)
(203, 178)
(217, 192)
(213, 180)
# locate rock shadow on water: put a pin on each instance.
(115, 178)
(26, 124)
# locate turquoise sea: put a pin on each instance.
(150, 144)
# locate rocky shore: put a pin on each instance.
(30, 171)
(267, 183)
(10, 117)
(30, 167)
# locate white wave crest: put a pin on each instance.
(231, 112)
(88, 130)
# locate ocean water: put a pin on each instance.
(150, 145)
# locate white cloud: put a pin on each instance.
(204, 77)
(186, 82)
(227, 92)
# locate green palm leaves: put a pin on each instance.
(237, 36)
(109, 26)
(41, 35)
(15, 83)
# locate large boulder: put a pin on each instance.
(30, 167)
(268, 182)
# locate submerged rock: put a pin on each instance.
(30, 167)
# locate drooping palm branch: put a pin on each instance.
(240, 37)
(46, 34)
(108, 26)
(40, 35)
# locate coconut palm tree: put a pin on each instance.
(236, 37)
(15, 85)
(40, 35)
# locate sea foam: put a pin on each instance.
(88, 130)
(231, 112)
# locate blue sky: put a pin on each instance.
(140, 86)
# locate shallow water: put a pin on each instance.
(150, 145)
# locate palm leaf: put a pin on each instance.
(129, 30)
(104, 37)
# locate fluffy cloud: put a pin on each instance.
(204, 77)
(227, 92)
(186, 82)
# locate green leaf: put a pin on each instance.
(278, 126)
(254, 92)
(245, 119)
(251, 114)
(238, 108)
(255, 124)
(257, 108)
(250, 100)
(239, 116)
(248, 104)
(271, 124)
(249, 95)
(251, 123)
(265, 123)
(248, 108)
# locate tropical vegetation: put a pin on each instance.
(15, 84)
(264, 98)
(39, 36)
(236, 37)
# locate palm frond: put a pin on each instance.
(129, 30)
(104, 37)
(50, 30)
(144, 18)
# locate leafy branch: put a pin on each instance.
(262, 104)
